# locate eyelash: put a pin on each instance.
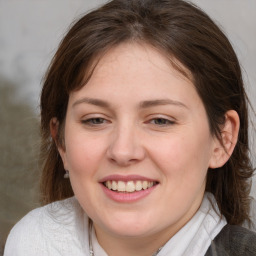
(98, 121)
(167, 122)
(94, 121)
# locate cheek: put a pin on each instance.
(83, 153)
(183, 158)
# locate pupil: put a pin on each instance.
(97, 120)
(160, 121)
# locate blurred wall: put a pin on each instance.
(29, 34)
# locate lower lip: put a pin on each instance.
(127, 197)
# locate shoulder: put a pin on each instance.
(47, 229)
(233, 240)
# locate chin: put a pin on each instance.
(128, 227)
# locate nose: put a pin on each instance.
(126, 146)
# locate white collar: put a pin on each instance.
(196, 236)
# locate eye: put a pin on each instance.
(161, 121)
(94, 121)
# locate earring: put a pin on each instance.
(66, 175)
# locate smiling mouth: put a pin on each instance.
(129, 186)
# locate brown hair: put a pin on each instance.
(180, 30)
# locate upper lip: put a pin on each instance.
(125, 178)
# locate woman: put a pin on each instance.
(145, 105)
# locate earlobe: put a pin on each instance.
(223, 147)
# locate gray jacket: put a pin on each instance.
(233, 241)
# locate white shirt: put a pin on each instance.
(61, 228)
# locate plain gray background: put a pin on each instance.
(30, 31)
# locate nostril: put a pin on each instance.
(123, 161)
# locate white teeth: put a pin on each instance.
(138, 185)
(129, 186)
(144, 184)
(109, 184)
(114, 185)
(121, 186)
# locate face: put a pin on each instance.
(137, 144)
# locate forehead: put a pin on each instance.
(144, 56)
(137, 68)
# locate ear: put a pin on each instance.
(223, 147)
(54, 127)
(55, 133)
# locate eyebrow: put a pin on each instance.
(143, 104)
(160, 102)
(92, 101)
